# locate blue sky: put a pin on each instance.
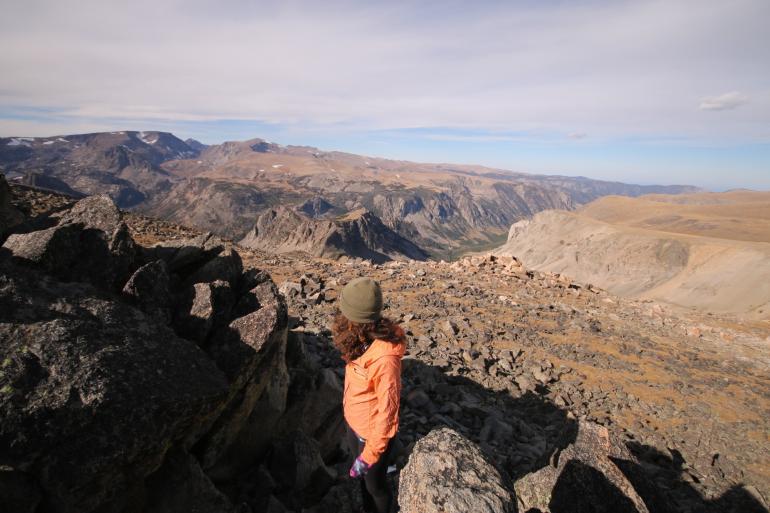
(638, 91)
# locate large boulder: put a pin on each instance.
(150, 289)
(53, 250)
(447, 473)
(226, 266)
(588, 476)
(94, 392)
(95, 212)
(251, 351)
(205, 306)
(296, 464)
(90, 244)
(315, 407)
(10, 216)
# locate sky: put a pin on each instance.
(634, 91)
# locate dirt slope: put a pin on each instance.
(710, 251)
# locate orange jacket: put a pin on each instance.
(373, 395)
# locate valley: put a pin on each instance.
(445, 209)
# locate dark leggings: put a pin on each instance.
(374, 485)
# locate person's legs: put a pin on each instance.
(356, 446)
(377, 482)
(376, 493)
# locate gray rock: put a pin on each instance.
(447, 473)
(249, 350)
(418, 399)
(226, 266)
(10, 216)
(541, 376)
(315, 407)
(118, 387)
(148, 287)
(53, 250)
(94, 212)
(449, 327)
(72, 253)
(194, 252)
(296, 463)
(524, 383)
(290, 289)
(207, 306)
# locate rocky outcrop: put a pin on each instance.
(94, 391)
(90, 244)
(109, 402)
(448, 473)
(10, 216)
(358, 234)
(316, 208)
(488, 360)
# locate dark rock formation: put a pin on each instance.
(10, 216)
(357, 234)
(316, 207)
(297, 463)
(150, 288)
(208, 306)
(90, 244)
(448, 473)
(94, 391)
(107, 408)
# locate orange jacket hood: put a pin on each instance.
(380, 348)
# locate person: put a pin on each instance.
(372, 347)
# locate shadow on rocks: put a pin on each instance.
(670, 474)
(519, 434)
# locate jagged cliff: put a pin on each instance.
(358, 234)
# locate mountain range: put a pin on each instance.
(445, 209)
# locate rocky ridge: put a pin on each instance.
(357, 234)
(557, 385)
(444, 209)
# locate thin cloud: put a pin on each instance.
(524, 67)
(727, 101)
(577, 135)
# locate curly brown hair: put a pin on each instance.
(352, 338)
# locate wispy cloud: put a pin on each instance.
(611, 68)
(577, 135)
(727, 101)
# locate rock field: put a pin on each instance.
(557, 395)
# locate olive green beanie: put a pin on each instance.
(361, 300)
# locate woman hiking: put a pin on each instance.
(372, 347)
